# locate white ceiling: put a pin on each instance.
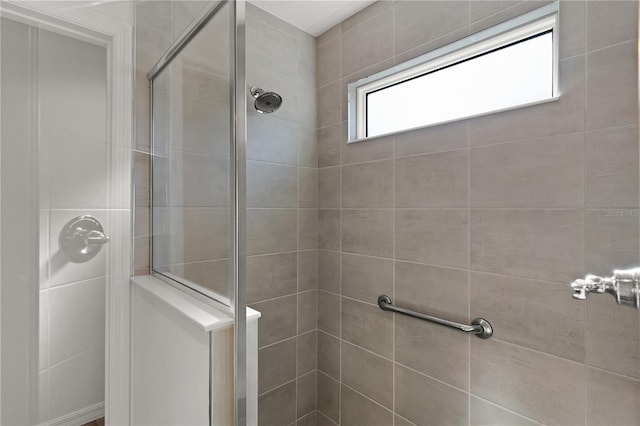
(312, 16)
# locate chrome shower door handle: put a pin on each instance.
(82, 238)
(624, 285)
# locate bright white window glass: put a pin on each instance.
(518, 74)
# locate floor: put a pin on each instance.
(98, 422)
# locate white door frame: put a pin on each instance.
(77, 20)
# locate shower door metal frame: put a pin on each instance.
(64, 17)
(238, 140)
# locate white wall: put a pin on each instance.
(73, 153)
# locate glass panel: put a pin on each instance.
(192, 214)
(519, 74)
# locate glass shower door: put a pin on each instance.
(198, 168)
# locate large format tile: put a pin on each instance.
(613, 336)
(329, 355)
(539, 244)
(356, 410)
(612, 399)
(611, 158)
(328, 397)
(278, 407)
(329, 146)
(271, 185)
(367, 326)
(442, 137)
(416, 22)
(484, 413)
(306, 394)
(307, 311)
(611, 240)
(437, 351)
(329, 313)
(278, 319)
(425, 401)
(328, 60)
(270, 276)
(276, 365)
(307, 270)
(439, 180)
(611, 22)
(368, 185)
(365, 278)
(271, 230)
(307, 229)
(329, 229)
(329, 187)
(542, 387)
(307, 187)
(307, 352)
(369, 374)
(612, 101)
(535, 314)
(367, 44)
(545, 172)
(368, 232)
(329, 271)
(437, 237)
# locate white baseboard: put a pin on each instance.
(78, 418)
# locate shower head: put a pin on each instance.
(266, 102)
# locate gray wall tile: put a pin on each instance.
(307, 352)
(279, 319)
(551, 248)
(365, 278)
(496, 366)
(328, 397)
(605, 390)
(439, 180)
(612, 101)
(306, 394)
(611, 240)
(367, 326)
(368, 185)
(329, 187)
(307, 311)
(329, 229)
(611, 159)
(611, 22)
(438, 237)
(545, 172)
(547, 319)
(307, 270)
(368, 232)
(425, 401)
(329, 313)
(356, 410)
(484, 413)
(329, 271)
(367, 44)
(368, 373)
(270, 276)
(278, 407)
(613, 337)
(271, 230)
(276, 365)
(329, 355)
(271, 185)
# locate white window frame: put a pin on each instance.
(538, 21)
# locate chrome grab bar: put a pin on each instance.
(479, 326)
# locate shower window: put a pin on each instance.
(510, 65)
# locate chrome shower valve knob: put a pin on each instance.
(82, 238)
(624, 285)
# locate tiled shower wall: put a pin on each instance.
(282, 218)
(490, 217)
(281, 196)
